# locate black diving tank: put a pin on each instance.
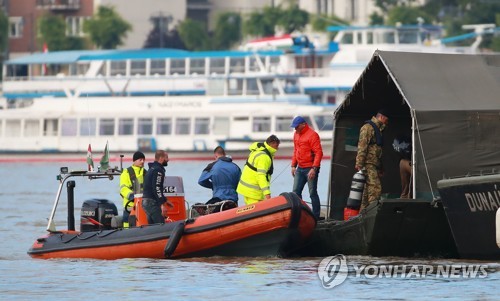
(356, 195)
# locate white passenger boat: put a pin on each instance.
(152, 99)
(356, 45)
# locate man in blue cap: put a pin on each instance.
(306, 161)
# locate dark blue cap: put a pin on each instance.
(296, 121)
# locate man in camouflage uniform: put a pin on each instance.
(370, 154)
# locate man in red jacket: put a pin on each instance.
(306, 161)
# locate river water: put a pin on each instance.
(26, 198)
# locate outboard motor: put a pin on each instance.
(96, 214)
(355, 196)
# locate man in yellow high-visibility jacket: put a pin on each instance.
(131, 182)
(255, 181)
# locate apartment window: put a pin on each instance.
(125, 126)
(106, 127)
(16, 25)
(261, 124)
(74, 26)
(69, 127)
(237, 65)
(87, 127)
(201, 126)
(182, 126)
(164, 126)
(145, 126)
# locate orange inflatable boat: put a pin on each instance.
(275, 227)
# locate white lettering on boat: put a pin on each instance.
(88, 213)
(483, 201)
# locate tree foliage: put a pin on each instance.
(227, 30)
(293, 19)
(106, 29)
(53, 32)
(321, 22)
(408, 15)
(4, 31)
(265, 23)
(194, 35)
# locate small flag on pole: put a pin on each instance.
(105, 158)
(44, 66)
(90, 162)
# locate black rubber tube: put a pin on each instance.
(174, 239)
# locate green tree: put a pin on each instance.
(321, 22)
(194, 35)
(407, 15)
(293, 19)
(53, 32)
(4, 31)
(376, 19)
(227, 30)
(106, 29)
(261, 24)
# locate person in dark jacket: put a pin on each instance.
(153, 198)
(222, 177)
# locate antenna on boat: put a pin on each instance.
(121, 161)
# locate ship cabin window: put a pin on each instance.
(69, 127)
(324, 123)
(261, 124)
(347, 38)
(201, 126)
(182, 126)
(12, 128)
(283, 123)
(137, 68)
(221, 125)
(78, 69)
(157, 67)
(235, 86)
(31, 127)
(103, 71)
(268, 87)
(408, 37)
(87, 127)
(50, 127)
(252, 87)
(369, 38)
(1, 128)
(291, 86)
(388, 38)
(359, 38)
(145, 126)
(125, 126)
(253, 64)
(118, 68)
(106, 127)
(164, 126)
(237, 65)
(274, 62)
(217, 65)
(197, 66)
(177, 66)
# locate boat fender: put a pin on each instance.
(174, 239)
(355, 196)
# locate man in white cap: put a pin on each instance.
(131, 182)
(306, 161)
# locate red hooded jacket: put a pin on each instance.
(307, 150)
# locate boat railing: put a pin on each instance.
(65, 174)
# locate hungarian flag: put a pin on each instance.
(90, 162)
(105, 159)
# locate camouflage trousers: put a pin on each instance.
(373, 188)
